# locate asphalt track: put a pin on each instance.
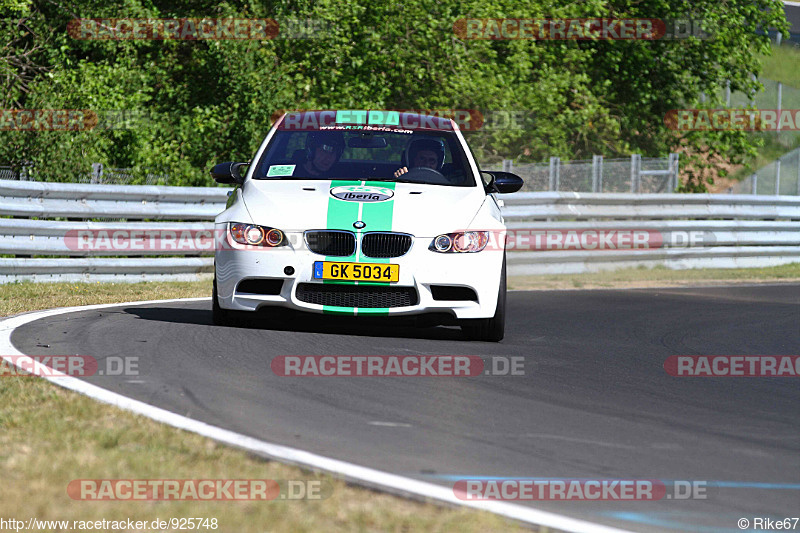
(595, 401)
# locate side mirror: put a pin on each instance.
(504, 182)
(228, 173)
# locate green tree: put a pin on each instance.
(191, 104)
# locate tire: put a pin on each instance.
(220, 316)
(490, 329)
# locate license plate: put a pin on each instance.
(356, 271)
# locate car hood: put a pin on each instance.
(421, 210)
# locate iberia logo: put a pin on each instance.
(362, 193)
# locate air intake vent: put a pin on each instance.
(331, 242)
(453, 293)
(270, 287)
(365, 296)
(379, 244)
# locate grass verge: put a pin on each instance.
(50, 436)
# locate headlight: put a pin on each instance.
(442, 243)
(256, 235)
(462, 242)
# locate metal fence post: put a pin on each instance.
(671, 174)
(780, 101)
(638, 173)
(97, 172)
(633, 172)
(558, 174)
(672, 180)
(599, 173)
(798, 173)
(677, 179)
(754, 184)
(636, 177)
(778, 176)
(23, 173)
(555, 173)
(728, 94)
(597, 166)
(508, 164)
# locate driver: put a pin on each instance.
(323, 150)
(424, 153)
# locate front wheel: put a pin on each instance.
(490, 329)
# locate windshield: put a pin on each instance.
(430, 157)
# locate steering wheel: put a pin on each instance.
(426, 175)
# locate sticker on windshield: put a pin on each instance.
(280, 170)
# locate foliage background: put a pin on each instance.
(196, 103)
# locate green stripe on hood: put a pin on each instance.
(376, 215)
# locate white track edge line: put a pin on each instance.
(351, 472)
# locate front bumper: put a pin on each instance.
(420, 269)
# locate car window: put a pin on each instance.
(366, 155)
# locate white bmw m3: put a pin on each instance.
(365, 213)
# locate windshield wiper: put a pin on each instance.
(399, 180)
(287, 178)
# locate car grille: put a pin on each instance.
(385, 244)
(356, 295)
(331, 242)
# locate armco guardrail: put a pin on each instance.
(549, 232)
(538, 206)
(132, 202)
(28, 240)
(679, 231)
